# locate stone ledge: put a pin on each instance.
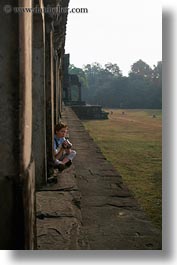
(58, 215)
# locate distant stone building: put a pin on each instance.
(71, 86)
(72, 96)
(31, 70)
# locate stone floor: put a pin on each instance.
(90, 208)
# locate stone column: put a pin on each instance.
(49, 80)
(39, 100)
(9, 129)
(60, 81)
(27, 172)
(56, 90)
(80, 94)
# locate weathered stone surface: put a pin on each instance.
(56, 204)
(59, 220)
(90, 207)
(31, 61)
(38, 99)
(66, 181)
(61, 234)
(17, 165)
(90, 112)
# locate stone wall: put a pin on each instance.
(31, 69)
(90, 112)
(9, 129)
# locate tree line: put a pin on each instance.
(107, 86)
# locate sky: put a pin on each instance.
(116, 31)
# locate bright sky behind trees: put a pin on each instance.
(117, 31)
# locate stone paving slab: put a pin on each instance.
(58, 215)
(90, 207)
(60, 234)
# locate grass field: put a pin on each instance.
(131, 141)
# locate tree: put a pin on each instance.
(98, 78)
(107, 87)
(157, 81)
(157, 74)
(113, 69)
(141, 69)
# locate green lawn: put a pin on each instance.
(132, 141)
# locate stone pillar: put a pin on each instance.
(49, 92)
(66, 78)
(60, 82)
(27, 173)
(39, 100)
(9, 129)
(80, 94)
(27, 113)
(56, 90)
(9, 86)
(16, 176)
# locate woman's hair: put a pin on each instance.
(60, 126)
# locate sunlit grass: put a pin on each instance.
(131, 141)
